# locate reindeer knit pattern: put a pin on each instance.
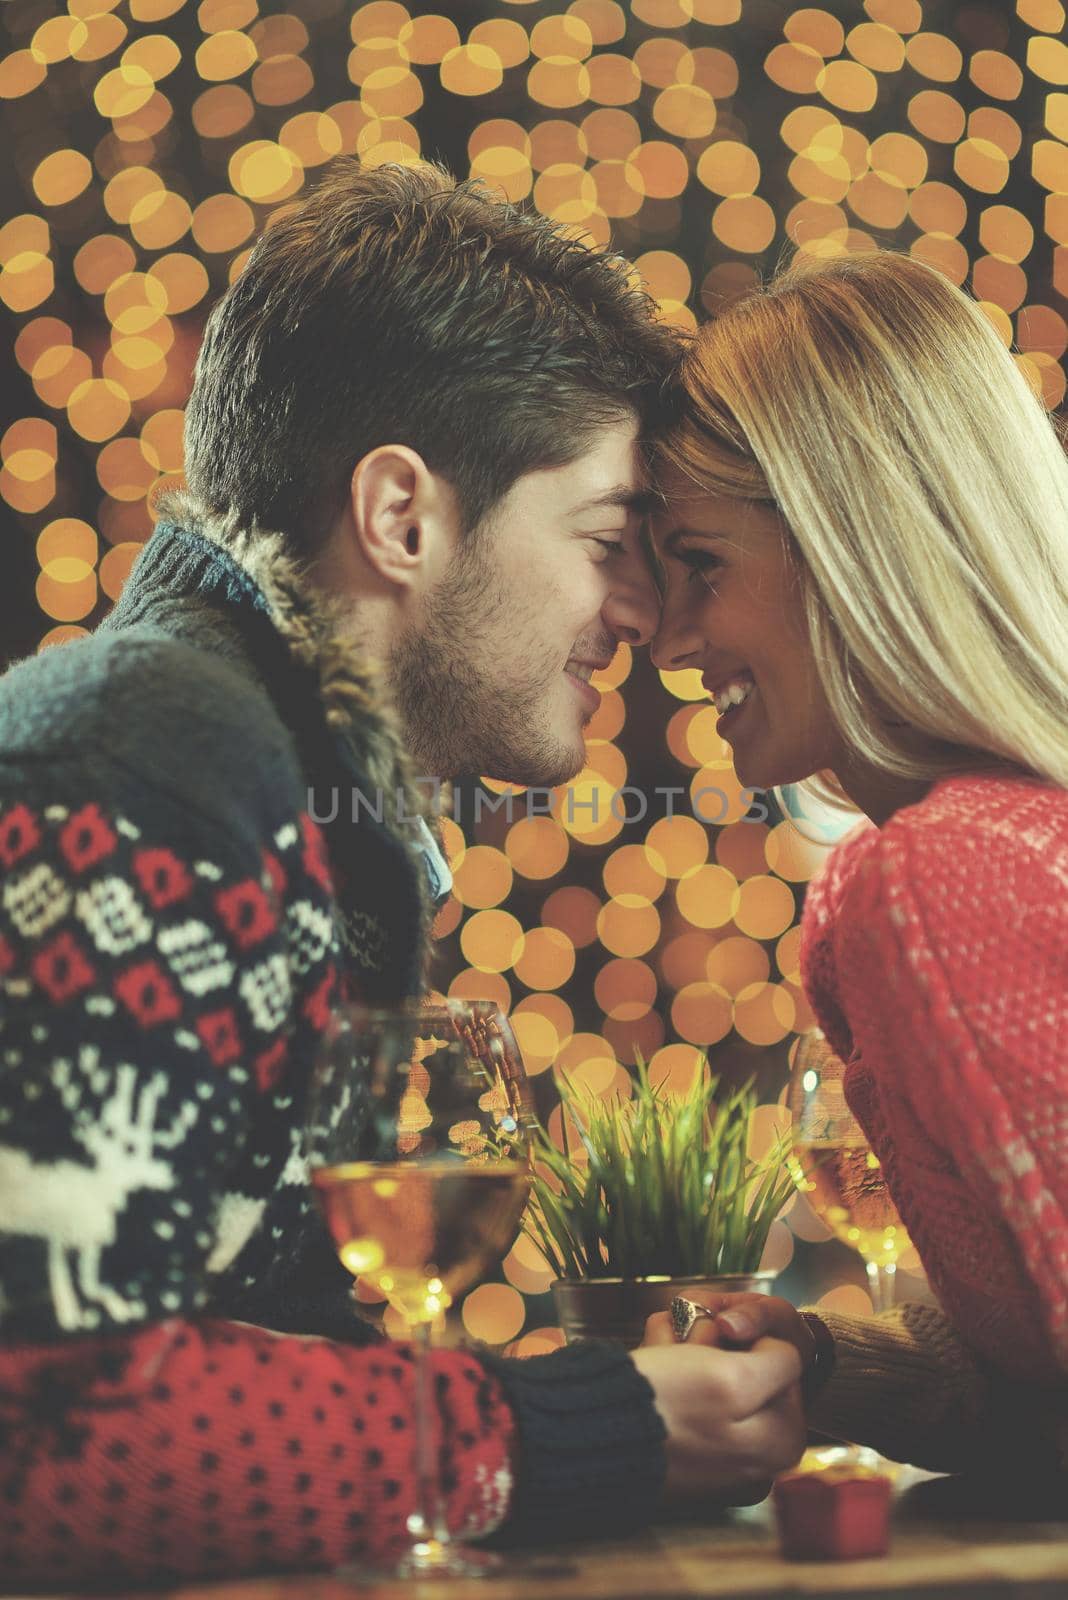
(184, 1386)
(105, 931)
(935, 954)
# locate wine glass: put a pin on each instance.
(831, 1164)
(417, 1137)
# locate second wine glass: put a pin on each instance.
(835, 1170)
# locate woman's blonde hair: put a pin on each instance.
(925, 493)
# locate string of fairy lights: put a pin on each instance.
(150, 140)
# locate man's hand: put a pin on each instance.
(733, 1417)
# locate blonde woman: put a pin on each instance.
(866, 554)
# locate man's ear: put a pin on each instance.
(397, 511)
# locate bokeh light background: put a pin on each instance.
(147, 141)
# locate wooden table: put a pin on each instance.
(948, 1544)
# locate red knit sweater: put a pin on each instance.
(935, 954)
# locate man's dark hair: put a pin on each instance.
(398, 306)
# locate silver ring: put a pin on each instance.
(684, 1313)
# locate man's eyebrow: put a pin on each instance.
(621, 497)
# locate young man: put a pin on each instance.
(410, 536)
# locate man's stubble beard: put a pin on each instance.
(462, 717)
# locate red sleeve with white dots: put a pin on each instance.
(190, 1450)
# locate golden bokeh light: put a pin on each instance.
(483, 878)
(764, 1013)
(67, 549)
(740, 847)
(684, 958)
(938, 208)
(265, 171)
(123, 470)
(61, 177)
(707, 896)
(547, 959)
(1048, 58)
(537, 847)
(481, 983)
(779, 1247)
(67, 601)
(685, 684)
(526, 1268)
(58, 372)
(790, 855)
(574, 911)
(816, 30)
(492, 940)
(115, 567)
(625, 989)
(764, 907)
(788, 955)
(848, 85)
(494, 1313)
(613, 80)
(184, 279)
(98, 408)
(447, 918)
(729, 168)
(552, 1009)
(937, 116)
(224, 55)
(876, 46)
(537, 1038)
(716, 796)
(220, 112)
(678, 733)
(628, 925)
(702, 1013)
(934, 56)
(735, 963)
(38, 337)
(981, 165)
(745, 224)
(686, 110)
(794, 67)
(996, 74)
(221, 222)
(634, 869)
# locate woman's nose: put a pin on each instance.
(632, 610)
(672, 647)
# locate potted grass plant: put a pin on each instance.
(653, 1195)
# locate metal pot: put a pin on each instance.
(617, 1308)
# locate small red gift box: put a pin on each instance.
(839, 1514)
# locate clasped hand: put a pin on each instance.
(729, 1397)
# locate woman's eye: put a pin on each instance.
(700, 564)
(609, 546)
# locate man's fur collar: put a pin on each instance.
(316, 629)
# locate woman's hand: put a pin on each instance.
(738, 1321)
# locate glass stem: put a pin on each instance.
(882, 1283)
(426, 1524)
